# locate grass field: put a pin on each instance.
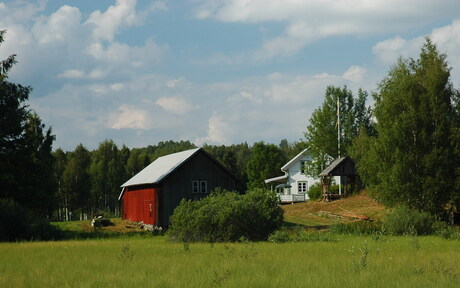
(343, 261)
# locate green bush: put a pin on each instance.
(17, 223)
(315, 191)
(405, 221)
(227, 216)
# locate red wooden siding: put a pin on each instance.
(141, 205)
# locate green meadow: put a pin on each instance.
(140, 261)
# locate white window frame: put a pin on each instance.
(302, 187)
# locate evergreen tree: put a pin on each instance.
(25, 147)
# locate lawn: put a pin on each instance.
(342, 261)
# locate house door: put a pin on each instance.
(149, 212)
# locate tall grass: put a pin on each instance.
(153, 262)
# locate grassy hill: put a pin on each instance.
(316, 213)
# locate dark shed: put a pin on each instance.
(152, 195)
(343, 167)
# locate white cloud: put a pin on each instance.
(174, 105)
(354, 74)
(109, 22)
(218, 132)
(311, 20)
(72, 74)
(447, 38)
(130, 117)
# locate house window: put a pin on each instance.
(199, 187)
(195, 186)
(203, 187)
(302, 167)
(301, 187)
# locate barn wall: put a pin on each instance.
(140, 204)
(178, 185)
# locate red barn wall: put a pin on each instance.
(141, 205)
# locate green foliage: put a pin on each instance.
(357, 228)
(413, 159)
(315, 191)
(25, 148)
(403, 220)
(264, 162)
(17, 223)
(298, 234)
(76, 180)
(322, 135)
(227, 216)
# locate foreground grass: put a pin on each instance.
(345, 261)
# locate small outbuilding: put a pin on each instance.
(152, 195)
(344, 167)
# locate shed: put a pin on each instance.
(343, 167)
(151, 195)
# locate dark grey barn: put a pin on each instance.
(152, 195)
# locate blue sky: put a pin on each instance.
(216, 72)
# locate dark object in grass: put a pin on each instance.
(101, 222)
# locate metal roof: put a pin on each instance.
(336, 163)
(160, 168)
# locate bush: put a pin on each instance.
(17, 223)
(405, 221)
(227, 216)
(315, 191)
(357, 228)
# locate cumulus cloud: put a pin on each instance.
(447, 38)
(109, 22)
(354, 74)
(174, 105)
(311, 20)
(130, 117)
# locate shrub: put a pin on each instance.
(356, 228)
(227, 216)
(404, 221)
(17, 223)
(315, 191)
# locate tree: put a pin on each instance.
(265, 162)
(322, 132)
(106, 173)
(412, 160)
(25, 147)
(77, 182)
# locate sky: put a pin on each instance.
(208, 71)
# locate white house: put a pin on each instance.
(294, 184)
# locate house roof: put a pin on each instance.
(294, 160)
(279, 179)
(160, 168)
(331, 169)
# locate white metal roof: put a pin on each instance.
(160, 168)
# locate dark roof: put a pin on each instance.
(340, 166)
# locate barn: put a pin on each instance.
(151, 195)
